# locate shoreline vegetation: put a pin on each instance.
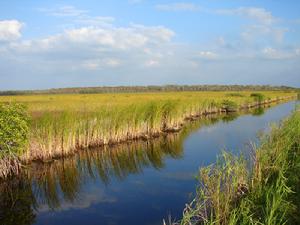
(54, 126)
(52, 185)
(232, 192)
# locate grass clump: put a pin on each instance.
(235, 94)
(231, 192)
(258, 97)
(229, 106)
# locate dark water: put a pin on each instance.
(137, 183)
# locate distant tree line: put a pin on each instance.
(152, 88)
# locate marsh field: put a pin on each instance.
(61, 124)
(84, 158)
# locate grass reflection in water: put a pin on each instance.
(51, 184)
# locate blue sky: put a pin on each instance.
(45, 44)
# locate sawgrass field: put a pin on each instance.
(92, 102)
(63, 123)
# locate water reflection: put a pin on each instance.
(230, 117)
(258, 111)
(61, 181)
(65, 184)
(17, 202)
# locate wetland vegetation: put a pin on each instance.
(58, 186)
(50, 185)
(59, 125)
(265, 192)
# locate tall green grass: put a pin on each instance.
(63, 124)
(268, 193)
(56, 133)
(53, 184)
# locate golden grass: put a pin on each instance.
(62, 124)
(91, 102)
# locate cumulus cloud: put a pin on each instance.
(123, 38)
(10, 30)
(94, 48)
(108, 54)
(178, 6)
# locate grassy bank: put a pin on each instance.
(266, 192)
(62, 124)
(52, 185)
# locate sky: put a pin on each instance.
(54, 43)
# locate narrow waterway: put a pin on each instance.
(135, 183)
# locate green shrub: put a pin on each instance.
(14, 129)
(229, 106)
(258, 97)
(235, 94)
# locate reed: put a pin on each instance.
(268, 193)
(49, 185)
(63, 124)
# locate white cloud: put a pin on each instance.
(272, 53)
(122, 38)
(86, 200)
(10, 30)
(101, 63)
(112, 62)
(177, 6)
(95, 21)
(110, 54)
(265, 26)
(159, 33)
(96, 48)
(207, 55)
(151, 63)
(259, 14)
(64, 11)
(253, 32)
(78, 16)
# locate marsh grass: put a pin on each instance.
(63, 124)
(268, 193)
(51, 184)
(259, 97)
